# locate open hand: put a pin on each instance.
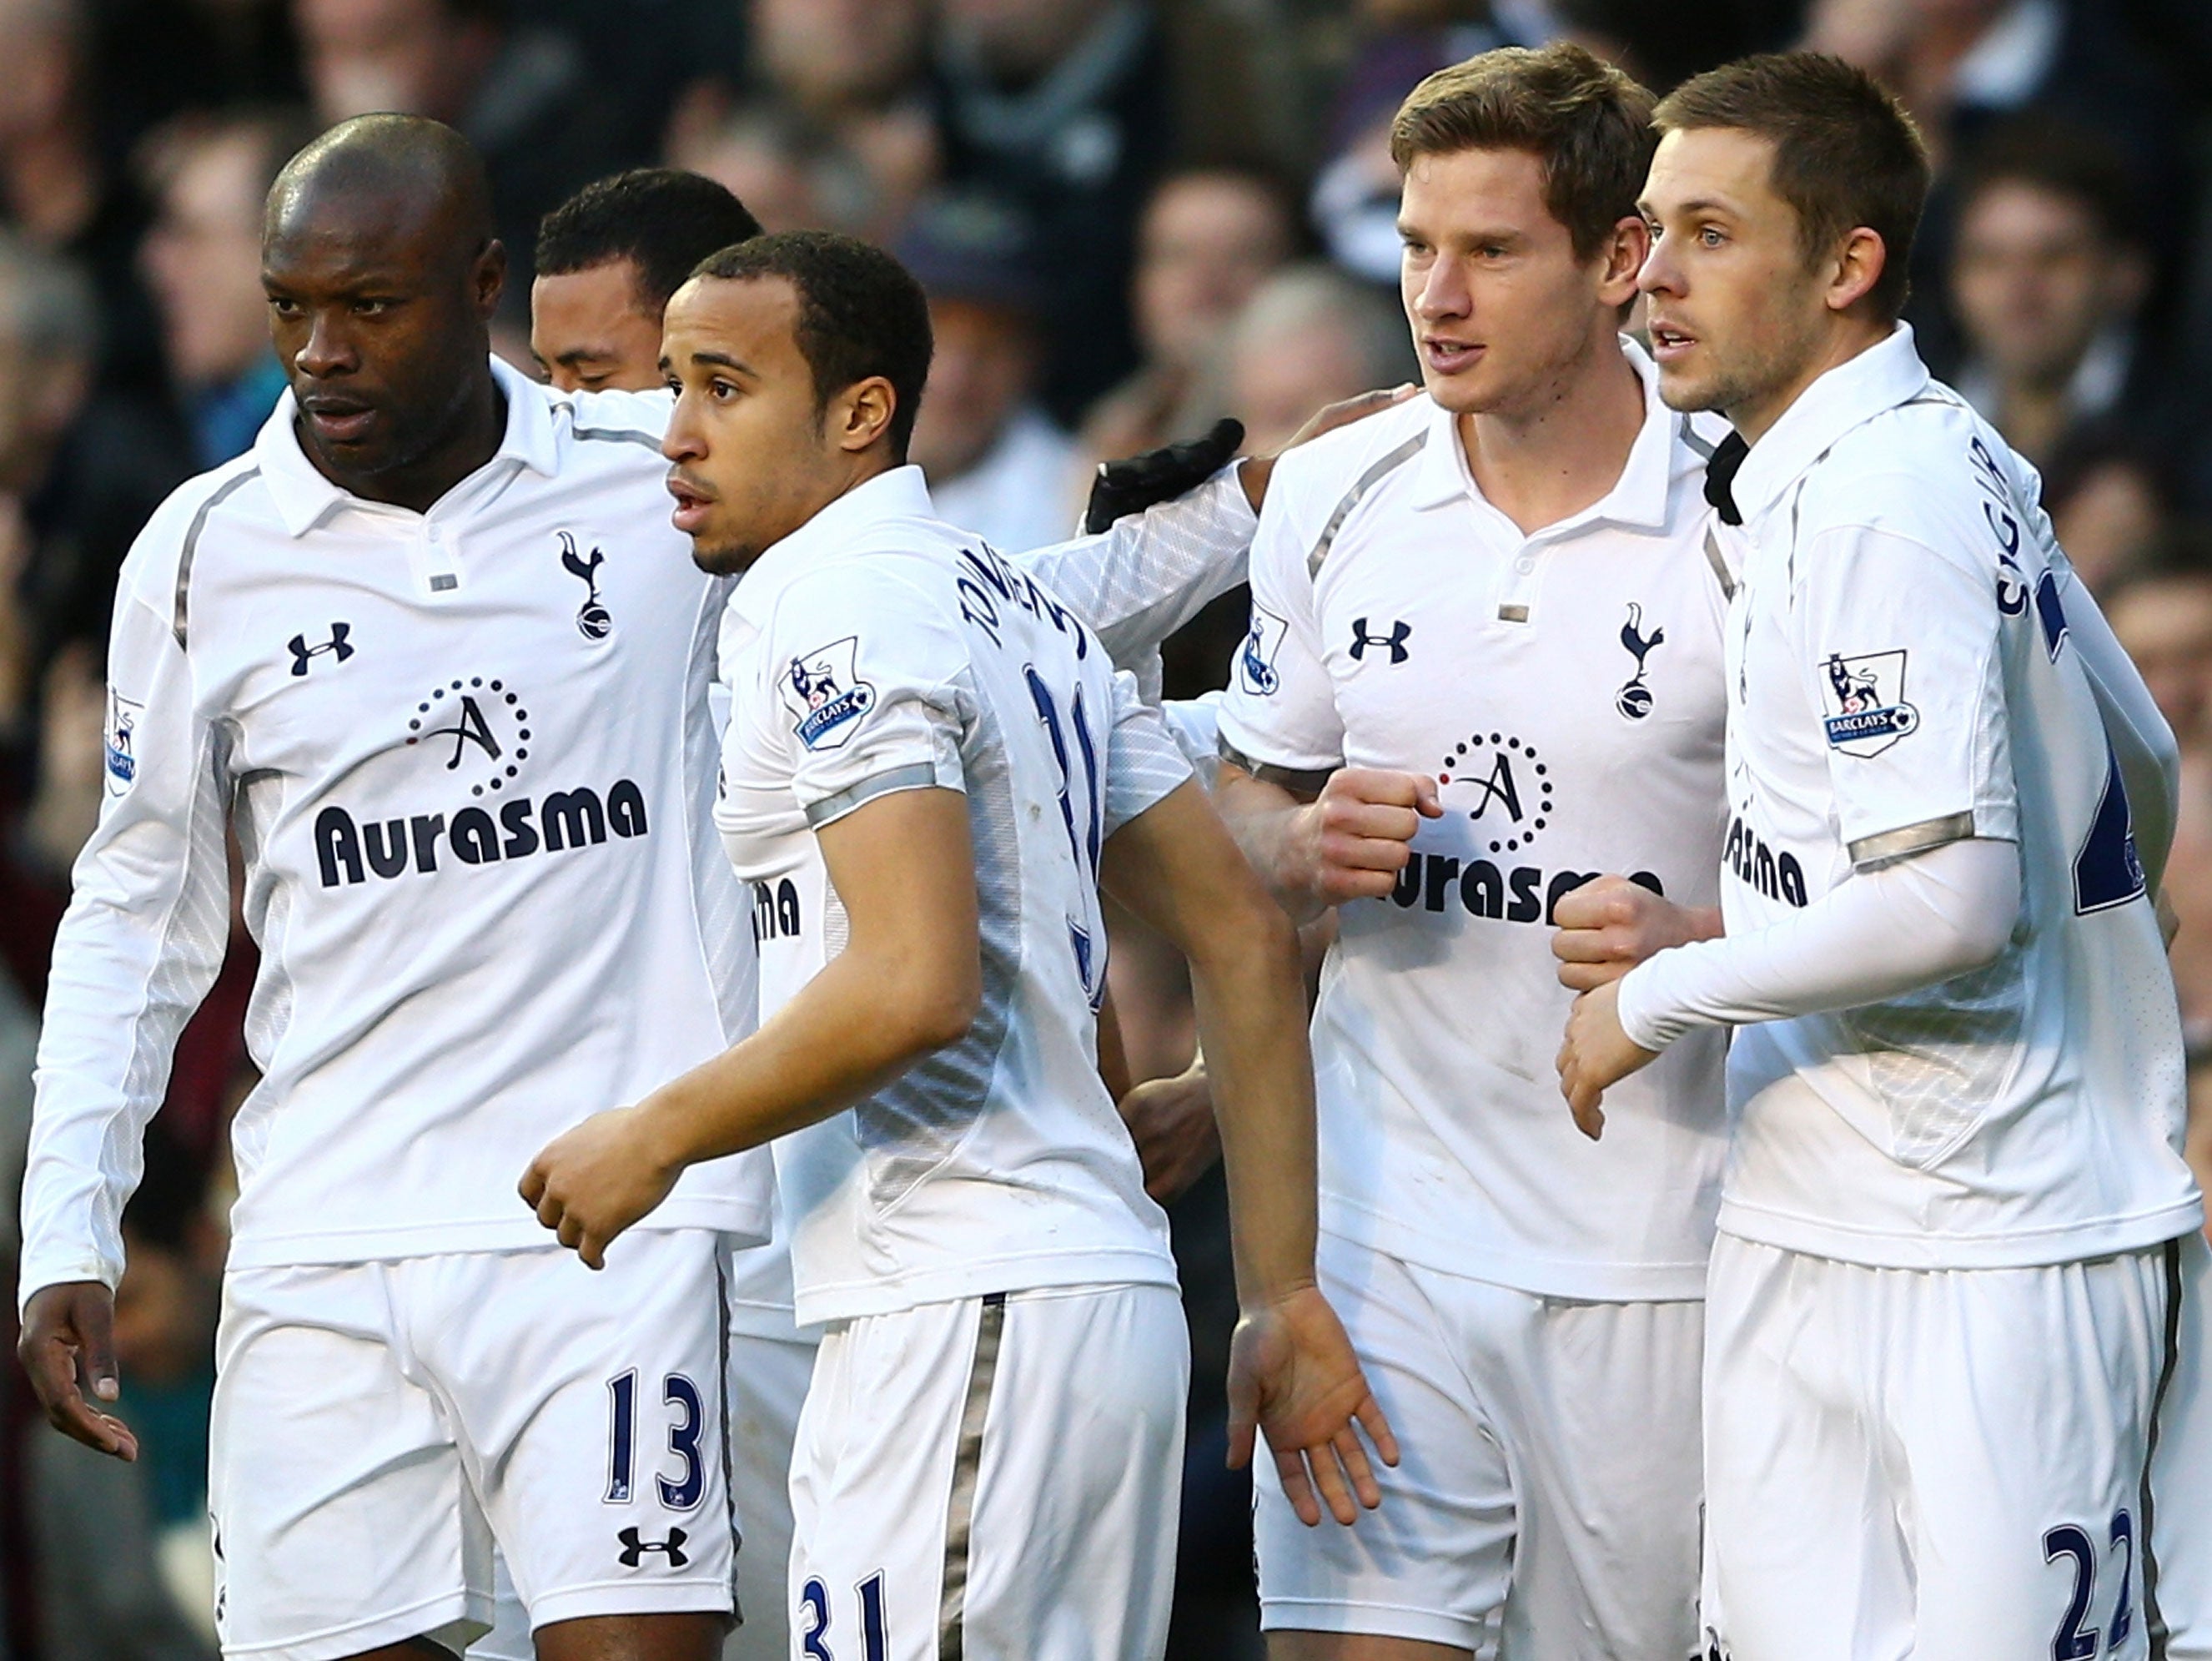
(1596, 1056)
(68, 1347)
(1294, 1379)
(592, 1183)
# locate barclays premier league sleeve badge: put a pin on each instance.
(120, 772)
(824, 694)
(1864, 697)
(1255, 659)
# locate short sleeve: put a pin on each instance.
(1901, 649)
(1144, 763)
(865, 668)
(1281, 707)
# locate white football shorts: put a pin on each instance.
(2180, 1504)
(992, 1478)
(1935, 1463)
(1548, 1476)
(377, 1426)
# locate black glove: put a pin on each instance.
(1136, 483)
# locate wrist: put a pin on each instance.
(665, 1133)
(1271, 1294)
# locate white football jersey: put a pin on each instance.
(1564, 690)
(469, 759)
(1135, 583)
(878, 650)
(1900, 677)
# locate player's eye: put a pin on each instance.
(722, 390)
(371, 308)
(1709, 236)
(283, 306)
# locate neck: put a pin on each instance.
(1563, 448)
(1851, 336)
(472, 438)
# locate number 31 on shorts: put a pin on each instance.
(814, 1611)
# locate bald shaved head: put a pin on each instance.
(410, 163)
(382, 271)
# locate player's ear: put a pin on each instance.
(861, 416)
(487, 277)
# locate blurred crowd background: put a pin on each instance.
(1133, 216)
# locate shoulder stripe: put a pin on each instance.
(1367, 482)
(1691, 436)
(619, 435)
(181, 616)
(1720, 565)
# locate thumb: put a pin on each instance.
(1426, 801)
(95, 1320)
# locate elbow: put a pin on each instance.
(1982, 929)
(934, 1012)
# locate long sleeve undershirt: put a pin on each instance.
(1877, 935)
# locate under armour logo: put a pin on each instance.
(634, 1548)
(592, 620)
(1400, 632)
(335, 645)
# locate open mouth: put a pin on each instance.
(1447, 357)
(1669, 340)
(691, 505)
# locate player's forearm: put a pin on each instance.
(849, 1031)
(1249, 993)
(1880, 935)
(1263, 818)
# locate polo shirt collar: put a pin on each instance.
(1639, 497)
(901, 494)
(1856, 391)
(303, 496)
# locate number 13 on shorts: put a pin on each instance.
(687, 1423)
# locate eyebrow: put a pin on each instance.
(576, 355)
(1702, 204)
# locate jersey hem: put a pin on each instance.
(2073, 1243)
(1009, 1272)
(1369, 1619)
(1682, 1282)
(745, 1225)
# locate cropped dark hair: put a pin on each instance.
(2064, 158)
(860, 314)
(1586, 122)
(1845, 153)
(662, 220)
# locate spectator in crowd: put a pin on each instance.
(772, 159)
(202, 262)
(2164, 619)
(1065, 109)
(1208, 238)
(80, 467)
(2110, 497)
(57, 190)
(1310, 337)
(522, 93)
(2048, 280)
(996, 463)
(854, 70)
(1964, 66)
